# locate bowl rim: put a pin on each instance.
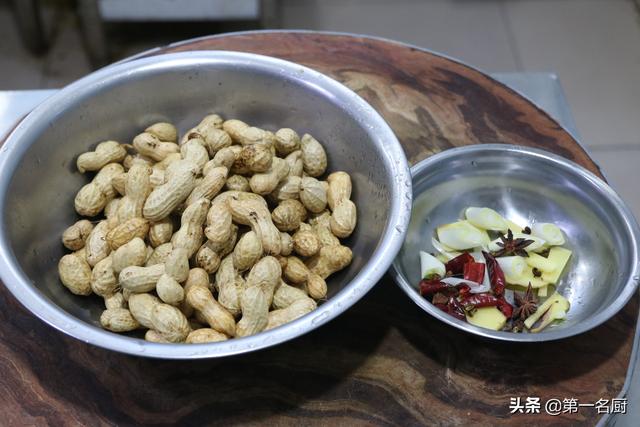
(15, 146)
(630, 223)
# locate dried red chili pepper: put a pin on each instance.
(456, 265)
(442, 307)
(479, 301)
(505, 307)
(463, 289)
(432, 286)
(455, 309)
(474, 271)
(496, 276)
(451, 291)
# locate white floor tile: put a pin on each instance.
(594, 46)
(620, 166)
(66, 60)
(18, 68)
(472, 31)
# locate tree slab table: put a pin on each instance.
(384, 361)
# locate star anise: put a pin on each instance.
(526, 305)
(511, 246)
(515, 326)
(545, 253)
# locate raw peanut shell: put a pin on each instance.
(159, 254)
(90, 201)
(160, 232)
(97, 248)
(118, 320)
(288, 215)
(75, 274)
(313, 194)
(169, 290)
(343, 218)
(314, 157)
(204, 335)
(163, 131)
(339, 188)
(247, 252)
(73, 238)
(237, 183)
(105, 152)
(190, 234)
(294, 311)
(170, 322)
(127, 231)
(329, 260)
(140, 279)
(216, 316)
(140, 306)
(103, 279)
(150, 146)
(287, 140)
(285, 295)
(180, 181)
(255, 311)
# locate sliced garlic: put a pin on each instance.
(430, 265)
(476, 288)
(486, 218)
(512, 266)
(551, 233)
(538, 243)
(515, 228)
(446, 252)
(461, 235)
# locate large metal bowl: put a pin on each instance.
(528, 185)
(38, 177)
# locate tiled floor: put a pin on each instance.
(596, 52)
(471, 30)
(593, 45)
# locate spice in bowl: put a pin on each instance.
(493, 273)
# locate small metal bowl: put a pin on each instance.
(39, 179)
(528, 185)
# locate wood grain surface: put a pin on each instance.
(384, 362)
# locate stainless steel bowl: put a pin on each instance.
(528, 185)
(38, 178)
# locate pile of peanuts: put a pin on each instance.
(226, 234)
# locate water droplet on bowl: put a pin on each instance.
(320, 317)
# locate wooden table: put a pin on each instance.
(384, 362)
